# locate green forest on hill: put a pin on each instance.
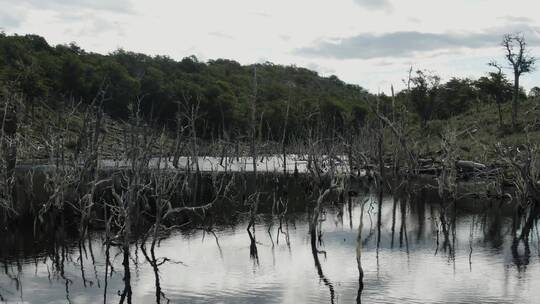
(221, 91)
(222, 88)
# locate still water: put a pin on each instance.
(418, 254)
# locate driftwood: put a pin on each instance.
(465, 168)
(470, 165)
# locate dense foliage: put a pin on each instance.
(430, 99)
(222, 90)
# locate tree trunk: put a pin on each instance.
(283, 151)
(500, 114)
(10, 132)
(515, 100)
(253, 128)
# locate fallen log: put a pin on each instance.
(470, 165)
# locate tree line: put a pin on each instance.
(288, 97)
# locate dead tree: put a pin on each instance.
(178, 140)
(447, 177)
(398, 132)
(284, 135)
(8, 154)
(89, 173)
(253, 122)
(520, 62)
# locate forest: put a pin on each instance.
(223, 89)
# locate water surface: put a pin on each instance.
(418, 254)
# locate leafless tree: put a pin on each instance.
(520, 62)
(283, 150)
(8, 149)
(255, 204)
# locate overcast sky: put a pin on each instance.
(368, 42)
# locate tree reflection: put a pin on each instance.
(477, 228)
(154, 263)
(108, 269)
(316, 237)
(494, 222)
(127, 292)
(393, 229)
(16, 279)
(522, 258)
(447, 227)
(403, 238)
(253, 253)
(315, 252)
(359, 254)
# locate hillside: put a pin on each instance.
(213, 100)
(221, 91)
(479, 130)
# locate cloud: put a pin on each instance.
(106, 5)
(414, 20)
(515, 19)
(410, 43)
(285, 37)
(92, 25)
(375, 4)
(261, 14)
(221, 35)
(82, 18)
(10, 20)
(320, 69)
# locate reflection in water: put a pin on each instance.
(390, 249)
(523, 222)
(471, 239)
(253, 254)
(359, 253)
(403, 229)
(127, 292)
(394, 206)
(155, 263)
(62, 271)
(315, 252)
(315, 233)
(108, 269)
(14, 279)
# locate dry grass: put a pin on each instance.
(479, 131)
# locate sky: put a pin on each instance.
(372, 43)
